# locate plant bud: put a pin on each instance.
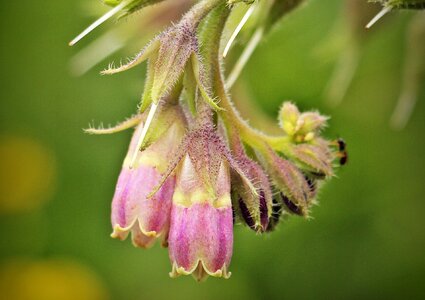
(314, 159)
(288, 179)
(254, 208)
(288, 118)
(276, 213)
(311, 122)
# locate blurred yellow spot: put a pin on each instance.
(49, 280)
(26, 174)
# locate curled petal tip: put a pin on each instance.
(139, 237)
(141, 240)
(120, 232)
(199, 272)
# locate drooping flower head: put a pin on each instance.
(194, 168)
(201, 227)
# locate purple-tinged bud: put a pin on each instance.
(293, 208)
(288, 179)
(201, 229)
(256, 217)
(170, 54)
(311, 122)
(313, 185)
(314, 159)
(276, 213)
(255, 207)
(132, 209)
(245, 213)
(251, 191)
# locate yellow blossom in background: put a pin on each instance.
(54, 279)
(27, 175)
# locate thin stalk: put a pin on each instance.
(211, 38)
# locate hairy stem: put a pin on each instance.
(211, 37)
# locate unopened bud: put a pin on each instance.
(254, 208)
(276, 213)
(288, 118)
(313, 159)
(288, 179)
(293, 208)
(311, 122)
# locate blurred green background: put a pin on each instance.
(366, 239)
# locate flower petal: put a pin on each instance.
(201, 234)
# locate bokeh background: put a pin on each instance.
(366, 238)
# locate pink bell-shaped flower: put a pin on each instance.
(133, 209)
(201, 229)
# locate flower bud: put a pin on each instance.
(170, 54)
(201, 230)
(132, 209)
(276, 213)
(302, 127)
(254, 208)
(288, 179)
(314, 159)
(288, 118)
(311, 122)
(293, 208)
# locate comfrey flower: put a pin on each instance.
(132, 210)
(201, 229)
(194, 168)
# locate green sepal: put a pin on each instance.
(146, 100)
(190, 85)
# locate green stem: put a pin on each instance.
(200, 10)
(211, 37)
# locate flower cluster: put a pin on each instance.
(194, 168)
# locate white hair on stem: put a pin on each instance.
(246, 55)
(382, 13)
(144, 132)
(239, 28)
(100, 21)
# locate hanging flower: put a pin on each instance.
(194, 168)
